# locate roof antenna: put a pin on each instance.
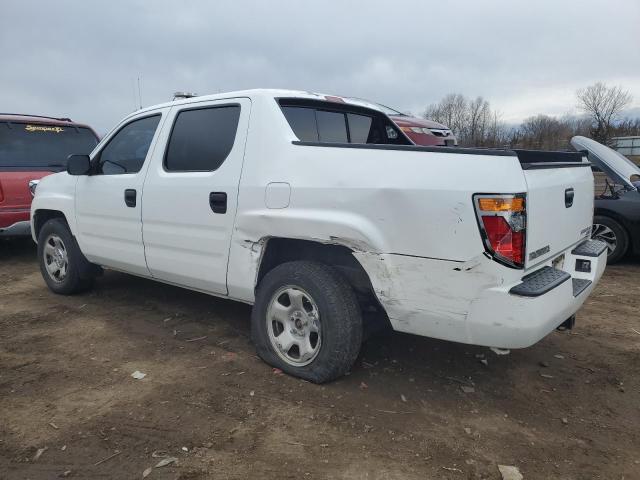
(139, 92)
(183, 95)
(135, 97)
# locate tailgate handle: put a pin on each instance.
(568, 197)
(218, 202)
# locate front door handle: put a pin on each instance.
(218, 202)
(130, 197)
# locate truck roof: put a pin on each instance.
(40, 119)
(256, 92)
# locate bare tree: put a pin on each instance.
(450, 111)
(628, 127)
(604, 105)
(472, 121)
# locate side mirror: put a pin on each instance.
(78, 165)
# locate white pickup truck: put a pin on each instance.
(320, 213)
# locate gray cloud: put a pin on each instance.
(81, 58)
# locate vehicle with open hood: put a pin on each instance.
(616, 218)
(324, 216)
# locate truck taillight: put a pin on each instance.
(502, 219)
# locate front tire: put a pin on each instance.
(61, 260)
(609, 231)
(306, 321)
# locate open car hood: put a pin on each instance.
(614, 164)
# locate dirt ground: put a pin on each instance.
(567, 408)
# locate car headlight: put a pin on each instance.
(416, 130)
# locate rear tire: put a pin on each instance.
(609, 231)
(61, 261)
(306, 321)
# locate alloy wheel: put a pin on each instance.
(293, 325)
(56, 258)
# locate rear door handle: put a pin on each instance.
(218, 202)
(130, 197)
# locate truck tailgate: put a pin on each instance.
(560, 196)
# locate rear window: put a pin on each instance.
(202, 138)
(332, 127)
(37, 145)
(303, 122)
(324, 124)
(359, 127)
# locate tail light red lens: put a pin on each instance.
(502, 221)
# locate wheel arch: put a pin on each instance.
(605, 212)
(42, 216)
(279, 250)
(620, 220)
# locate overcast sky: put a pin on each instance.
(82, 58)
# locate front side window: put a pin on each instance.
(202, 138)
(127, 149)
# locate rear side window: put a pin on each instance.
(324, 125)
(202, 138)
(127, 149)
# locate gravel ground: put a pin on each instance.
(412, 408)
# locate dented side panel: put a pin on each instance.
(372, 201)
(427, 296)
(469, 302)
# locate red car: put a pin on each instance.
(420, 131)
(32, 147)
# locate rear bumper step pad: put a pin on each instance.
(540, 282)
(590, 248)
(579, 285)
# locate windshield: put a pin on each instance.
(391, 111)
(383, 108)
(37, 145)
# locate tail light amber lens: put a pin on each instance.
(502, 220)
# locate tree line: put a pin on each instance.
(475, 123)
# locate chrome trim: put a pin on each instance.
(32, 186)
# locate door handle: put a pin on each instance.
(568, 197)
(218, 202)
(130, 197)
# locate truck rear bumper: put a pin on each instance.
(480, 302)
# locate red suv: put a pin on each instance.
(32, 147)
